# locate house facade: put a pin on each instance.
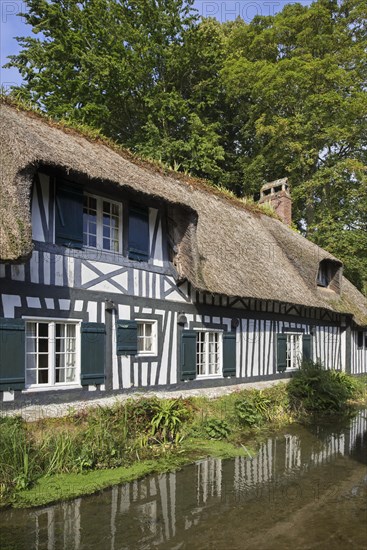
(116, 277)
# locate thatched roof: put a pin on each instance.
(227, 249)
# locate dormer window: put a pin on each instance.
(329, 274)
(323, 276)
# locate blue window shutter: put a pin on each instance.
(126, 337)
(188, 354)
(139, 233)
(307, 347)
(93, 353)
(229, 354)
(69, 215)
(12, 354)
(281, 352)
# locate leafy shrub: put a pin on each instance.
(217, 429)
(254, 408)
(316, 389)
(168, 416)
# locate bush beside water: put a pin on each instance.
(136, 430)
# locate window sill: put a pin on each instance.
(33, 389)
(208, 376)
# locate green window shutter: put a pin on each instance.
(229, 354)
(307, 347)
(12, 354)
(139, 233)
(69, 215)
(281, 352)
(126, 337)
(93, 353)
(188, 354)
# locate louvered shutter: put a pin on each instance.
(281, 352)
(69, 215)
(93, 353)
(138, 233)
(307, 347)
(229, 354)
(188, 355)
(12, 354)
(126, 337)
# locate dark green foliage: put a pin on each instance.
(315, 389)
(167, 419)
(217, 429)
(253, 409)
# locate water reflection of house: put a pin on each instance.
(156, 509)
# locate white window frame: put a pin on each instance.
(51, 352)
(294, 361)
(219, 374)
(99, 222)
(154, 350)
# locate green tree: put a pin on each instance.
(299, 82)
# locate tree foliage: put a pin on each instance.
(238, 103)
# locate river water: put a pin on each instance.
(305, 489)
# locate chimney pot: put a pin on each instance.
(277, 194)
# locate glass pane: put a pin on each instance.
(115, 210)
(60, 375)
(70, 375)
(43, 329)
(70, 331)
(106, 244)
(31, 377)
(106, 220)
(141, 344)
(31, 329)
(106, 207)
(148, 343)
(60, 330)
(148, 329)
(43, 345)
(43, 376)
(31, 361)
(140, 329)
(31, 344)
(43, 361)
(92, 241)
(92, 203)
(93, 228)
(106, 231)
(60, 360)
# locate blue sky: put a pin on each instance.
(13, 25)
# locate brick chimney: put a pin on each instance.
(277, 194)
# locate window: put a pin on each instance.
(294, 350)
(147, 337)
(102, 224)
(323, 278)
(51, 353)
(208, 353)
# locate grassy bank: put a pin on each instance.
(58, 459)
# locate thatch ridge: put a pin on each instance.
(235, 251)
